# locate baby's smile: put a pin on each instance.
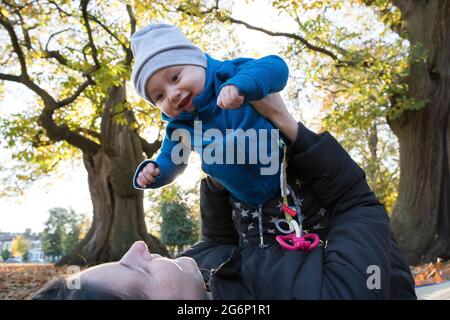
(186, 104)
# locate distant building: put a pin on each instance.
(6, 239)
(35, 253)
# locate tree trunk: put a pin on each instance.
(421, 217)
(118, 208)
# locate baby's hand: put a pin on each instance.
(147, 175)
(229, 98)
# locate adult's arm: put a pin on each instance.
(360, 235)
(361, 259)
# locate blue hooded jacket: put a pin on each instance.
(255, 79)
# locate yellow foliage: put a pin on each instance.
(19, 246)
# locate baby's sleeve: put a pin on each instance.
(168, 170)
(256, 78)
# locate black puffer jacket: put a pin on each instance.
(359, 258)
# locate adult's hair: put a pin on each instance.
(57, 289)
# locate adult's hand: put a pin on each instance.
(273, 108)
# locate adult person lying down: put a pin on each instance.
(239, 255)
(139, 275)
(358, 257)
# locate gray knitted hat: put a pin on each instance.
(157, 46)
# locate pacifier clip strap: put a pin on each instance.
(288, 212)
(295, 240)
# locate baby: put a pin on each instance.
(206, 105)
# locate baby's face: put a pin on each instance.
(173, 88)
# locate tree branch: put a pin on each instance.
(92, 133)
(126, 50)
(15, 43)
(58, 57)
(54, 34)
(45, 96)
(150, 148)
(287, 35)
(10, 77)
(85, 15)
(294, 36)
(132, 19)
(26, 35)
(62, 132)
(54, 53)
(61, 11)
(54, 132)
(81, 142)
(24, 78)
(129, 56)
(74, 96)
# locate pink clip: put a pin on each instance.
(301, 243)
(288, 210)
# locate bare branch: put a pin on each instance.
(287, 35)
(85, 15)
(294, 36)
(54, 132)
(62, 132)
(74, 96)
(81, 142)
(58, 56)
(63, 60)
(45, 96)
(88, 73)
(10, 77)
(15, 43)
(150, 148)
(24, 77)
(107, 30)
(132, 19)
(54, 34)
(54, 53)
(92, 133)
(126, 50)
(8, 56)
(62, 13)
(25, 32)
(129, 56)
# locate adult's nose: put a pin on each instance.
(137, 252)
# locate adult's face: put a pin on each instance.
(141, 275)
